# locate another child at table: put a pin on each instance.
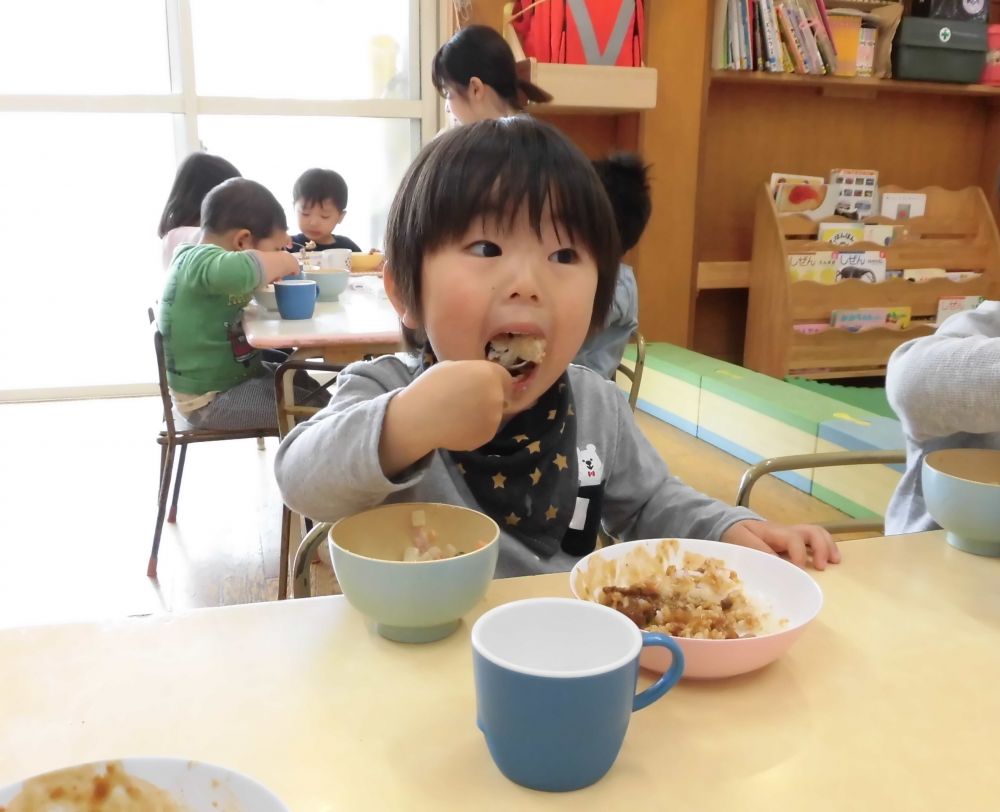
(217, 380)
(180, 221)
(498, 236)
(625, 181)
(944, 388)
(320, 204)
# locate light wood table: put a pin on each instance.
(888, 701)
(361, 322)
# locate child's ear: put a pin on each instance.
(341, 218)
(243, 240)
(406, 315)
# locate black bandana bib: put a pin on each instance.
(526, 477)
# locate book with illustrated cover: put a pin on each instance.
(857, 192)
(903, 205)
(884, 235)
(778, 178)
(800, 197)
(870, 318)
(950, 305)
(841, 233)
(816, 266)
(866, 266)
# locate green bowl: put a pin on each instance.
(419, 601)
(962, 493)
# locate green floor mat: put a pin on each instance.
(861, 397)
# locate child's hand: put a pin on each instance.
(798, 541)
(457, 405)
(462, 402)
(277, 265)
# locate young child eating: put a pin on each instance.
(501, 256)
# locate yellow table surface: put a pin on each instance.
(888, 701)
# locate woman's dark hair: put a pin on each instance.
(494, 169)
(481, 51)
(242, 203)
(626, 182)
(316, 185)
(197, 175)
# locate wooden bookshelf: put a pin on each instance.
(957, 233)
(843, 85)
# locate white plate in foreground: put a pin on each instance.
(193, 786)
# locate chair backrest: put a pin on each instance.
(161, 372)
(635, 374)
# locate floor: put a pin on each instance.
(78, 501)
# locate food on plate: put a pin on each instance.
(699, 597)
(424, 547)
(515, 352)
(92, 788)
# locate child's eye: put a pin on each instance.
(484, 248)
(564, 256)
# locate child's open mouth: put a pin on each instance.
(518, 354)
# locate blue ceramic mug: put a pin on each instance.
(555, 688)
(296, 298)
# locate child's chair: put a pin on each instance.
(178, 433)
(635, 375)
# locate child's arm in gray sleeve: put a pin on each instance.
(948, 382)
(328, 467)
(642, 499)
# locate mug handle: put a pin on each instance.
(669, 678)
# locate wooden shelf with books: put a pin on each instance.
(846, 85)
(958, 233)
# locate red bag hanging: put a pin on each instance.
(582, 32)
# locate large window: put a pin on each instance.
(99, 101)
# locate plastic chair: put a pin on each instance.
(635, 376)
(824, 459)
(289, 412)
(178, 433)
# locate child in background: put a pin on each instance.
(944, 388)
(217, 379)
(498, 246)
(625, 181)
(180, 222)
(320, 203)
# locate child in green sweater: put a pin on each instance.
(218, 381)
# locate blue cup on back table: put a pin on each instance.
(555, 688)
(296, 298)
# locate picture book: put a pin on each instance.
(857, 191)
(903, 205)
(817, 266)
(870, 318)
(950, 305)
(884, 235)
(800, 197)
(811, 329)
(841, 233)
(924, 274)
(778, 178)
(866, 266)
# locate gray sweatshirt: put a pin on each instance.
(328, 467)
(945, 389)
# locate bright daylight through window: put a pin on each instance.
(94, 123)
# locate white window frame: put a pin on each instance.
(429, 26)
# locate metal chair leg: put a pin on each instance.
(172, 516)
(260, 444)
(161, 509)
(286, 535)
(301, 581)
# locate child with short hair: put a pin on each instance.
(217, 380)
(944, 389)
(498, 247)
(626, 182)
(320, 197)
(180, 221)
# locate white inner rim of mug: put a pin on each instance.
(556, 637)
(294, 282)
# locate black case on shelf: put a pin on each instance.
(967, 10)
(935, 50)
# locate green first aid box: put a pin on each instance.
(935, 50)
